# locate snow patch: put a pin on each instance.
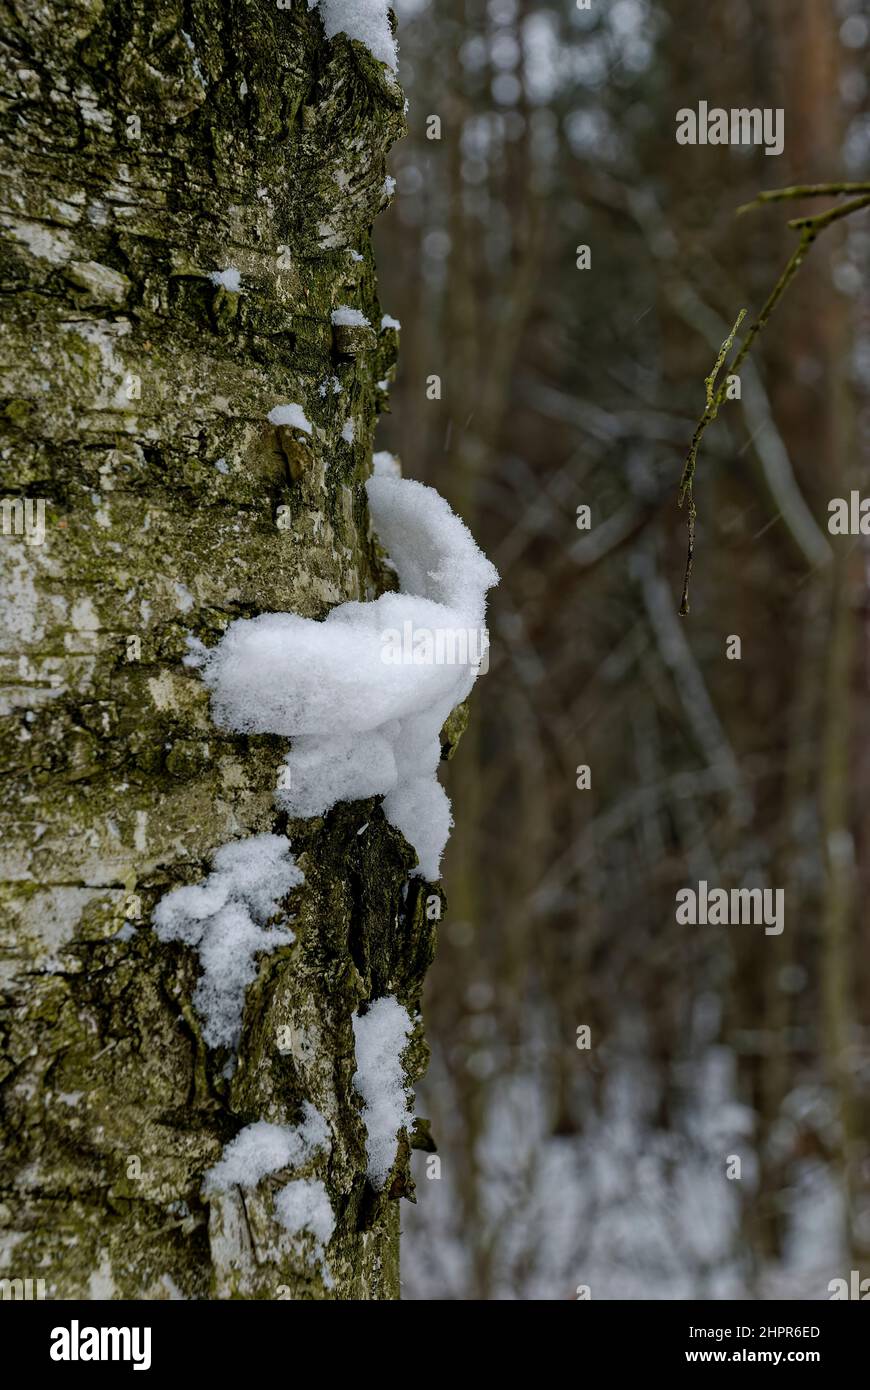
(230, 279)
(326, 684)
(263, 1148)
(385, 465)
(351, 318)
(292, 415)
(225, 918)
(364, 20)
(380, 1037)
(303, 1207)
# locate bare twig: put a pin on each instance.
(803, 190)
(687, 482)
(809, 228)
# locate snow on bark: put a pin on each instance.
(364, 20)
(365, 693)
(262, 1148)
(381, 1035)
(226, 918)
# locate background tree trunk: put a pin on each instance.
(148, 145)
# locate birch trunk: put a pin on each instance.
(146, 146)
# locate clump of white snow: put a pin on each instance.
(389, 322)
(292, 415)
(348, 431)
(385, 465)
(350, 318)
(380, 1037)
(263, 1148)
(313, 779)
(435, 554)
(303, 1207)
(365, 20)
(225, 918)
(230, 279)
(364, 723)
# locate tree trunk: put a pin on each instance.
(147, 147)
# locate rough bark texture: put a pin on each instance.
(147, 144)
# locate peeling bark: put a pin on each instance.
(147, 145)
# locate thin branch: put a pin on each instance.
(824, 219)
(803, 190)
(809, 228)
(687, 482)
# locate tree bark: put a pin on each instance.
(146, 146)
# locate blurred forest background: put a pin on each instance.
(564, 387)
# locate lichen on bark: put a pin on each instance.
(147, 145)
